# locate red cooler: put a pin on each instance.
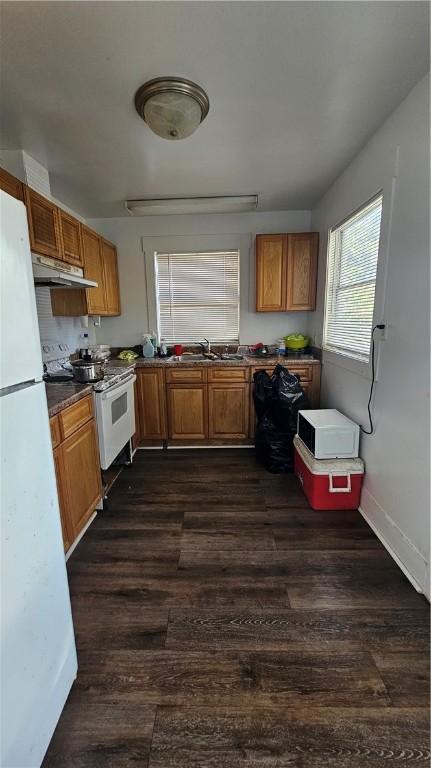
(328, 483)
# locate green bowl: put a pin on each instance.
(292, 343)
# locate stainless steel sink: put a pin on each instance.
(191, 358)
(232, 356)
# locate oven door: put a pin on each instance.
(115, 415)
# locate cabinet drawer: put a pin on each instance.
(304, 372)
(178, 375)
(228, 374)
(75, 416)
(55, 431)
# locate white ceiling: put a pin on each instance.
(295, 88)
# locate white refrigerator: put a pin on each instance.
(38, 654)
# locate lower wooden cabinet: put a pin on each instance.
(66, 527)
(187, 411)
(152, 405)
(205, 403)
(228, 410)
(77, 468)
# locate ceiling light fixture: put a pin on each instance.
(180, 205)
(171, 106)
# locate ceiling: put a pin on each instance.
(295, 89)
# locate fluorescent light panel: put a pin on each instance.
(177, 205)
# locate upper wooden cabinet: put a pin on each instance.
(70, 234)
(43, 224)
(286, 272)
(302, 251)
(11, 185)
(100, 265)
(55, 233)
(93, 270)
(271, 265)
(110, 278)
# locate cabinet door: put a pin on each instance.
(80, 476)
(228, 408)
(302, 271)
(187, 411)
(66, 527)
(42, 224)
(11, 185)
(152, 405)
(112, 286)
(71, 243)
(271, 266)
(93, 270)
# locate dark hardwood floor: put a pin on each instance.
(220, 623)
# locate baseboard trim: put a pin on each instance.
(401, 549)
(81, 534)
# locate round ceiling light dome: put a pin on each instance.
(171, 106)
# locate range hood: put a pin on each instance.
(52, 273)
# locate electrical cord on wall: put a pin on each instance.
(381, 327)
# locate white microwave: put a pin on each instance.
(328, 434)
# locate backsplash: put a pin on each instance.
(67, 330)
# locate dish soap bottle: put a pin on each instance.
(147, 347)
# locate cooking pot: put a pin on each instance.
(86, 371)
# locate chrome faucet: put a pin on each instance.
(208, 345)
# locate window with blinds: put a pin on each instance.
(198, 296)
(353, 251)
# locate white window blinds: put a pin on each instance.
(353, 251)
(198, 296)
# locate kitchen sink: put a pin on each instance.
(188, 358)
(232, 357)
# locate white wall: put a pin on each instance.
(395, 497)
(189, 232)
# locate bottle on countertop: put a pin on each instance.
(281, 347)
(147, 346)
(83, 351)
(163, 348)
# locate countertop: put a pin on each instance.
(63, 394)
(248, 361)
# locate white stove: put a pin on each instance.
(113, 395)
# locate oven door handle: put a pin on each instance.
(108, 394)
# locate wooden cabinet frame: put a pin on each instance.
(35, 203)
(157, 401)
(68, 240)
(74, 433)
(184, 412)
(286, 272)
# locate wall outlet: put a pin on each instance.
(382, 333)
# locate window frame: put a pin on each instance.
(332, 354)
(199, 252)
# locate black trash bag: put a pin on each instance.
(277, 398)
(262, 392)
(274, 449)
(288, 398)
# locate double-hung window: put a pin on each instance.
(353, 251)
(198, 296)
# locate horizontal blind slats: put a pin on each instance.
(198, 295)
(351, 278)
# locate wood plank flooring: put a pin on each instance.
(221, 623)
